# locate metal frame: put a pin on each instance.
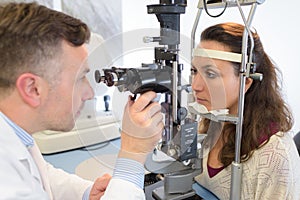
(236, 171)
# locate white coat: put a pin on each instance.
(20, 178)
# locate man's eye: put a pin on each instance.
(82, 78)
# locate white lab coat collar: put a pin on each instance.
(12, 143)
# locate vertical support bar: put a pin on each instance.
(175, 90)
(236, 170)
(194, 31)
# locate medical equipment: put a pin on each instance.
(247, 69)
(179, 155)
(179, 140)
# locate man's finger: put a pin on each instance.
(143, 101)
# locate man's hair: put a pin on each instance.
(31, 38)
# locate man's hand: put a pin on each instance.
(142, 127)
(99, 187)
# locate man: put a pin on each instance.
(43, 86)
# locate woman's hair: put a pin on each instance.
(31, 38)
(265, 112)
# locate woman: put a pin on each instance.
(270, 160)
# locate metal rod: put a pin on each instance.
(174, 95)
(247, 24)
(230, 3)
(194, 31)
(242, 87)
(236, 166)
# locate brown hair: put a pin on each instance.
(265, 112)
(30, 40)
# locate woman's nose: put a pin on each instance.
(197, 82)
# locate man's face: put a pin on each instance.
(66, 99)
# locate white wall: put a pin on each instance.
(276, 21)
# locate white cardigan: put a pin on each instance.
(20, 178)
(273, 172)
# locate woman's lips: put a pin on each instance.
(201, 100)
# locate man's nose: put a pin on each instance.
(89, 94)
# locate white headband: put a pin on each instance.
(222, 55)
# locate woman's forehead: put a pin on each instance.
(203, 63)
(214, 54)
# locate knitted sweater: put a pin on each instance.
(273, 172)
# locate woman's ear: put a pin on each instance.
(248, 84)
(29, 87)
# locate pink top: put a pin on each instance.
(213, 171)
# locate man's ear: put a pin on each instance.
(248, 84)
(30, 88)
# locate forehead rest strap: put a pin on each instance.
(221, 55)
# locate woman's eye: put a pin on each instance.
(193, 71)
(211, 74)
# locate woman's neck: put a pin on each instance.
(213, 156)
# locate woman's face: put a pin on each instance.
(215, 84)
